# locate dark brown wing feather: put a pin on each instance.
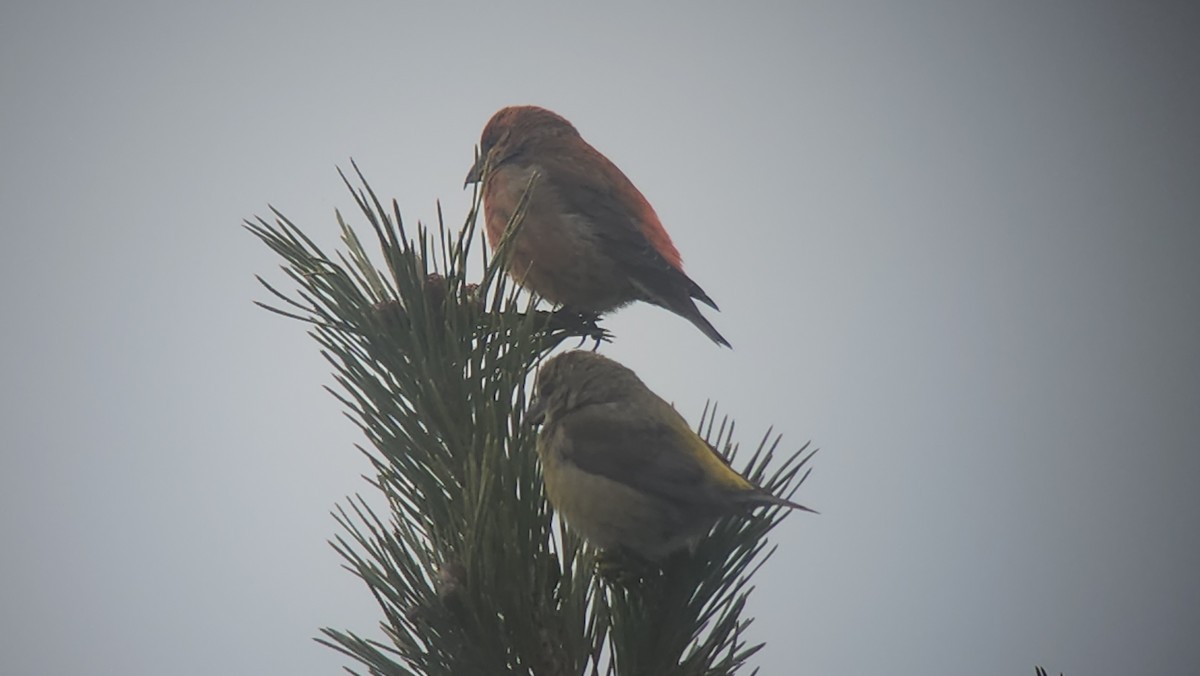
(642, 453)
(627, 227)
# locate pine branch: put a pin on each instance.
(469, 567)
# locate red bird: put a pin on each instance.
(589, 240)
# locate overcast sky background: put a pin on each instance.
(955, 245)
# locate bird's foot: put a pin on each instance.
(585, 325)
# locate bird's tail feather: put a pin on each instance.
(692, 314)
(698, 293)
(693, 290)
(684, 306)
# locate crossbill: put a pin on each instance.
(622, 467)
(589, 240)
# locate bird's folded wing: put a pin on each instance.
(599, 190)
(626, 226)
(654, 452)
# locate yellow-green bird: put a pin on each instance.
(622, 467)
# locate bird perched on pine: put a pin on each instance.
(622, 467)
(589, 240)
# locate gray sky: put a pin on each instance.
(955, 245)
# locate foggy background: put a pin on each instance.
(955, 245)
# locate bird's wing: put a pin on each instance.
(592, 186)
(626, 226)
(653, 451)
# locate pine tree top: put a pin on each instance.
(457, 543)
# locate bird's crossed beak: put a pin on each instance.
(476, 173)
(536, 413)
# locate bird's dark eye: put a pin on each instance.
(490, 138)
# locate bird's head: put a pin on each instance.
(580, 378)
(512, 131)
